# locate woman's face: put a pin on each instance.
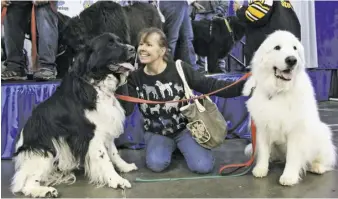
(149, 49)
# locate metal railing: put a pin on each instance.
(239, 62)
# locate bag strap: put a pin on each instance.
(188, 92)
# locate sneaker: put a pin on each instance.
(14, 74)
(45, 74)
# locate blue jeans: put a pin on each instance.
(159, 149)
(201, 60)
(16, 25)
(178, 27)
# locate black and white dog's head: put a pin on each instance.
(104, 61)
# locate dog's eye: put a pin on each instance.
(277, 47)
(295, 48)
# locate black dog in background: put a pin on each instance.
(213, 39)
(104, 16)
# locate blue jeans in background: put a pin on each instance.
(159, 150)
(178, 26)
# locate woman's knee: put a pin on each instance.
(202, 165)
(157, 163)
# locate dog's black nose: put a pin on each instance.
(130, 48)
(291, 61)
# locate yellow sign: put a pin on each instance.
(286, 4)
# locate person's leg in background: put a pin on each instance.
(159, 150)
(173, 12)
(47, 27)
(15, 25)
(199, 160)
(186, 35)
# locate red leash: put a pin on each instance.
(34, 35)
(138, 100)
(251, 160)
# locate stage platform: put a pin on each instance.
(312, 186)
(19, 98)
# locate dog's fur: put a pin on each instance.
(220, 42)
(284, 109)
(77, 125)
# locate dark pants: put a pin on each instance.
(178, 27)
(16, 25)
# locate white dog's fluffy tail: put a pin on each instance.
(248, 150)
(329, 151)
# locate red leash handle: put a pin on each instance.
(138, 100)
(251, 160)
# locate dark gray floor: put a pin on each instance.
(314, 186)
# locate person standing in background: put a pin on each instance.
(16, 24)
(177, 26)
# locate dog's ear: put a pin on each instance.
(80, 62)
(301, 53)
(257, 58)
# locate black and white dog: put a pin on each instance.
(77, 125)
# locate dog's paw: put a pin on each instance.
(288, 180)
(41, 192)
(317, 168)
(260, 172)
(128, 167)
(119, 182)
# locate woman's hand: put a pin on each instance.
(236, 6)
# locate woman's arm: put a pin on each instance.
(202, 84)
(256, 13)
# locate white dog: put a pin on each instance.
(284, 109)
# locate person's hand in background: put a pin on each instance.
(198, 6)
(39, 2)
(237, 5)
(5, 3)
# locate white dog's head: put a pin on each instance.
(278, 60)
